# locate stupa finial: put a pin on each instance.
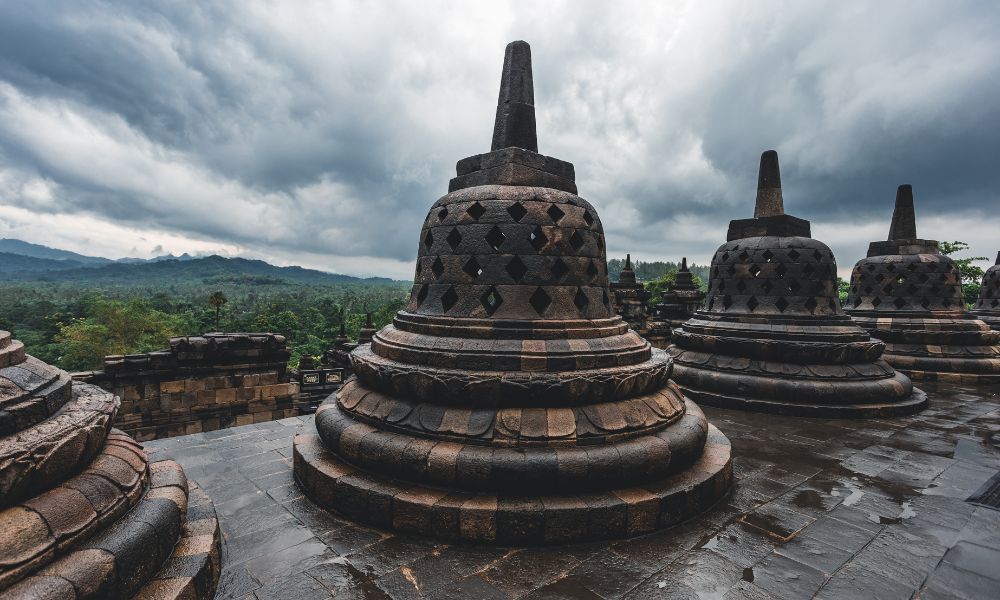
(904, 221)
(684, 264)
(769, 200)
(628, 261)
(998, 259)
(515, 122)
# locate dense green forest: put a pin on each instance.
(73, 318)
(653, 270)
(72, 315)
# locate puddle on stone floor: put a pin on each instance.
(808, 499)
(854, 496)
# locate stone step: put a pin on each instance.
(118, 561)
(512, 520)
(35, 459)
(39, 530)
(192, 571)
(11, 353)
(30, 392)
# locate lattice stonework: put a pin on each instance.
(507, 402)
(772, 335)
(752, 275)
(905, 282)
(492, 255)
(987, 306)
(909, 295)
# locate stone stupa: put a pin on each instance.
(681, 299)
(772, 337)
(508, 403)
(83, 513)
(909, 295)
(630, 297)
(987, 307)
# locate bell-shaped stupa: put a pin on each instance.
(987, 307)
(629, 297)
(772, 336)
(909, 295)
(681, 299)
(83, 512)
(507, 402)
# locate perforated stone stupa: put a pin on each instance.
(83, 514)
(630, 297)
(909, 295)
(772, 336)
(507, 402)
(987, 307)
(681, 299)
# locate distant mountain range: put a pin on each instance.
(25, 262)
(22, 248)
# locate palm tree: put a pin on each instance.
(217, 299)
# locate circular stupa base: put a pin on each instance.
(489, 518)
(949, 377)
(992, 320)
(914, 403)
(951, 369)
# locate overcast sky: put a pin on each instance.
(320, 133)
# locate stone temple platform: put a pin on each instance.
(820, 508)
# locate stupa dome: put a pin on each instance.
(508, 402)
(987, 307)
(772, 336)
(909, 295)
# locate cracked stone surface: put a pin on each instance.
(821, 508)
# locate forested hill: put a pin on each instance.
(27, 249)
(208, 270)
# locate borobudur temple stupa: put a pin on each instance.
(987, 307)
(507, 403)
(83, 513)
(909, 295)
(772, 336)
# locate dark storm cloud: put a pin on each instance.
(321, 133)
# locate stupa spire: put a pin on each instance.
(627, 275)
(998, 259)
(904, 222)
(515, 122)
(769, 200)
(684, 264)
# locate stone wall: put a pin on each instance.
(201, 383)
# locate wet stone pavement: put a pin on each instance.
(821, 508)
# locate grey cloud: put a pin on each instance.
(319, 128)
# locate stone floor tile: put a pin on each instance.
(786, 578)
(297, 587)
(877, 505)
(235, 582)
(840, 534)
(814, 553)
(289, 561)
(982, 561)
(390, 553)
(525, 570)
(854, 582)
(948, 581)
